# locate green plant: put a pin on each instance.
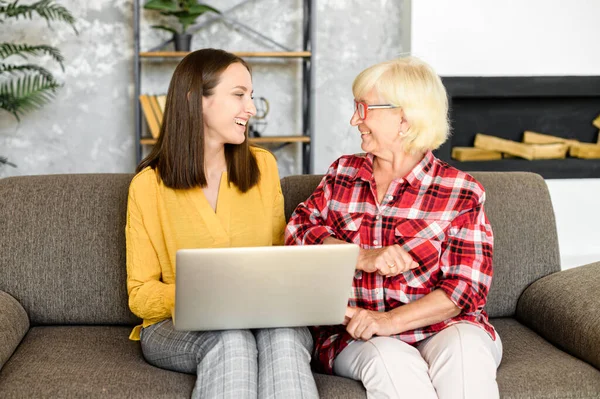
(186, 12)
(4, 161)
(27, 86)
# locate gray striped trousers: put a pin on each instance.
(266, 363)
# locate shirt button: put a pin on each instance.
(377, 291)
(375, 242)
(377, 217)
(390, 197)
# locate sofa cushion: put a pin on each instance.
(14, 324)
(333, 387)
(533, 368)
(63, 247)
(100, 361)
(563, 309)
(95, 361)
(87, 362)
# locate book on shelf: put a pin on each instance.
(162, 100)
(156, 108)
(152, 119)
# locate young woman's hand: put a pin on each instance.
(387, 261)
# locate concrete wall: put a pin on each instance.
(90, 128)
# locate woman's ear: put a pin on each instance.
(404, 126)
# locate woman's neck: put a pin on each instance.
(397, 164)
(214, 159)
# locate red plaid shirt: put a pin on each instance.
(435, 213)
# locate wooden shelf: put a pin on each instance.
(280, 139)
(254, 140)
(243, 54)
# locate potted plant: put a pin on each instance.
(186, 12)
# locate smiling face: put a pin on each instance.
(381, 129)
(227, 111)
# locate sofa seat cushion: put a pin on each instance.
(533, 368)
(86, 361)
(333, 387)
(95, 361)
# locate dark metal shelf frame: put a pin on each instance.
(308, 32)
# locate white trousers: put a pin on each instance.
(458, 362)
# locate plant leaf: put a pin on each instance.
(162, 5)
(44, 8)
(200, 9)
(4, 161)
(163, 27)
(23, 50)
(185, 19)
(14, 69)
(26, 94)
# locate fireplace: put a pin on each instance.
(507, 106)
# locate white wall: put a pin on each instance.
(507, 38)
(577, 207)
(522, 38)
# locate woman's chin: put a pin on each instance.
(366, 147)
(237, 139)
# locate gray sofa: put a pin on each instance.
(64, 319)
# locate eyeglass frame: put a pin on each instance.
(367, 107)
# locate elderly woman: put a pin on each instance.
(415, 325)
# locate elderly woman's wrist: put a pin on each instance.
(397, 322)
(360, 261)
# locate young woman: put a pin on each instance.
(204, 186)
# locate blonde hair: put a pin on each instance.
(412, 85)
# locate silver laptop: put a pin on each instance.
(263, 287)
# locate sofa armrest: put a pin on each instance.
(564, 308)
(14, 324)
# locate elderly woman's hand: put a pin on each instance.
(387, 261)
(363, 324)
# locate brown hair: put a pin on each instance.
(178, 155)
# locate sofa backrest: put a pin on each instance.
(62, 247)
(62, 242)
(525, 240)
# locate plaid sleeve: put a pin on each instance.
(307, 226)
(466, 260)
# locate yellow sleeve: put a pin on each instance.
(149, 298)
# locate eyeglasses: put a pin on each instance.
(362, 108)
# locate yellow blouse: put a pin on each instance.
(161, 220)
